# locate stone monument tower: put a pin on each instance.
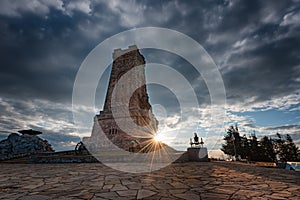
(124, 97)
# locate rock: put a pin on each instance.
(19, 145)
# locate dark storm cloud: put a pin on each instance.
(42, 51)
(40, 57)
(256, 55)
(255, 44)
(266, 72)
(50, 49)
(247, 39)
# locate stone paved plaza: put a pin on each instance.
(209, 180)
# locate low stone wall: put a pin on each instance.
(62, 157)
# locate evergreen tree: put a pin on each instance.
(278, 143)
(232, 142)
(267, 149)
(245, 147)
(254, 148)
(267, 152)
(286, 148)
(290, 150)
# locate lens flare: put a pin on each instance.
(158, 137)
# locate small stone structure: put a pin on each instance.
(17, 145)
(197, 153)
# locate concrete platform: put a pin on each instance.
(197, 154)
(190, 180)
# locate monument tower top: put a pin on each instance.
(118, 52)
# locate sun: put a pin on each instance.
(158, 138)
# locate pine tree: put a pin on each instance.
(267, 152)
(254, 148)
(232, 142)
(278, 143)
(285, 148)
(267, 149)
(245, 147)
(290, 149)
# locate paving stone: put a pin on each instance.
(10, 196)
(98, 198)
(214, 196)
(221, 190)
(145, 193)
(188, 196)
(85, 195)
(64, 198)
(34, 197)
(292, 189)
(178, 191)
(34, 185)
(199, 190)
(107, 187)
(127, 182)
(167, 198)
(246, 194)
(160, 186)
(179, 185)
(293, 198)
(127, 193)
(210, 180)
(147, 180)
(258, 186)
(274, 197)
(118, 187)
(134, 186)
(108, 195)
(112, 182)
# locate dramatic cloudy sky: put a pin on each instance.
(255, 45)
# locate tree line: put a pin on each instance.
(267, 149)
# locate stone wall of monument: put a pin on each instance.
(132, 61)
